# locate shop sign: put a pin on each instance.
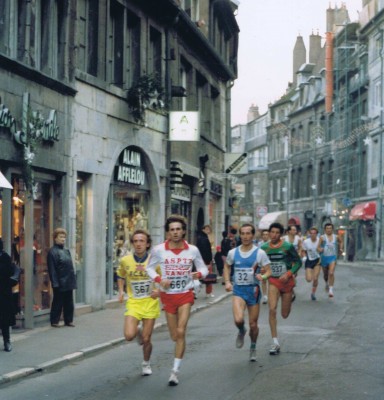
(184, 126)
(129, 169)
(235, 163)
(48, 129)
(181, 192)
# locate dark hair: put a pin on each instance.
(278, 226)
(247, 225)
(290, 227)
(142, 232)
(1, 245)
(264, 230)
(328, 224)
(233, 231)
(224, 234)
(175, 218)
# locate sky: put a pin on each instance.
(268, 32)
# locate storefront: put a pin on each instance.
(128, 209)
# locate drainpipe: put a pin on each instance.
(328, 71)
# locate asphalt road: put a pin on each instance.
(331, 349)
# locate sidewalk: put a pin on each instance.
(45, 347)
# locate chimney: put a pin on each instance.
(299, 57)
(314, 48)
(253, 113)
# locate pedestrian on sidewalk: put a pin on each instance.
(204, 245)
(7, 314)
(63, 280)
(247, 261)
(176, 257)
(142, 304)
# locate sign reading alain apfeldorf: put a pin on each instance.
(184, 126)
(236, 163)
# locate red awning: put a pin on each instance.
(363, 211)
(294, 221)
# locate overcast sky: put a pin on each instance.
(268, 32)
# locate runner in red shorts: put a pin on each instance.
(176, 257)
(285, 262)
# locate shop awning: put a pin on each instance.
(4, 183)
(277, 216)
(294, 221)
(363, 211)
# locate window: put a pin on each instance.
(4, 27)
(154, 64)
(133, 47)
(117, 19)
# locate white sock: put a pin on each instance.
(275, 341)
(176, 364)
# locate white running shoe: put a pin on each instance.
(252, 355)
(265, 299)
(146, 369)
(330, 293)
(275, 349)
(240, 339)
(173, 380)
(209, 296)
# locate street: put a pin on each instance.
(330, 349)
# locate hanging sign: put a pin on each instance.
(184, 126)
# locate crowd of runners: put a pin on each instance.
(165, 276)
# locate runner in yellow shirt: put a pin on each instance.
(143, 303)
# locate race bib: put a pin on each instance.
(244, 276)
(278, 269)
(312, 254)
(329, 249)
(141, 289)
(178, 284)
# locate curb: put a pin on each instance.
(88, 351)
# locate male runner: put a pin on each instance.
(246, 260)
(285, 262)
(311, 259)
(176, 257)
(330, 245)
(143, 303)
(264, 288)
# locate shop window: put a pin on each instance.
(81, 196)
(4, 27)
(128, 212)
(42, 232)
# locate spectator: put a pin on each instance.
(204, 246)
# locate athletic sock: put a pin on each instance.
(253, 345)
(176, 364)
(275, 341)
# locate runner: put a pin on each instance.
(246, 260)
(143, 303)
(285, 262)
(311, 259)
(330, 245)
(264, 286)
(176, 257)
(293, 238)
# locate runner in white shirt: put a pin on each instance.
(312, 259)
(176, 258)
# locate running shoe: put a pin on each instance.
(275, 349)
(326, 287)
(252, 355)
(173, 380)
(240, 339)
(330, 293)
(265, 299)
(146, 369)
(209, 296)
(139, 336)
(313, 297)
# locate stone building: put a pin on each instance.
(86, 99)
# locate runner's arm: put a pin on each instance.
(320, 247)
(201, 268)
(295, 260)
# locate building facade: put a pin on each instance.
(85, 105)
